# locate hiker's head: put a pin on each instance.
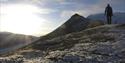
(108, 5)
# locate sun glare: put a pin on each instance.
(22, 19)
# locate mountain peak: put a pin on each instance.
(76, 15)
(74, 24)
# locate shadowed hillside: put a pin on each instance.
(74, 24)
(11, 41)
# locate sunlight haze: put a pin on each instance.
(22, 19)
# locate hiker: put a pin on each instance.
(109, 14)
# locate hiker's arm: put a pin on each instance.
(112, 11)
(105, 10)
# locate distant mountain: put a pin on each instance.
(74, 24)
(10, 40)
(118, 17)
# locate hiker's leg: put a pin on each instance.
(108, 20)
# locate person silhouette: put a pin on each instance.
(109, 13)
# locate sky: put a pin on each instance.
(56, 12)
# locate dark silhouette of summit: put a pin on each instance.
(74, 24)
(109, 13)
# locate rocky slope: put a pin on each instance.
(103, 44)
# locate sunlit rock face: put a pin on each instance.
(104, 44)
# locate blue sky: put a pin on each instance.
(58, 11)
